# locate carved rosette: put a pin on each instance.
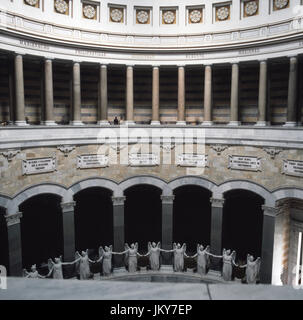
(142, 16)
(280, 4)
(13, 219)
(89, 12)
(195, 16)
(66, 149)
(32, 3)
(223, 13)
(251, 8)
(169, 17)
(116, 15)
(61, 6)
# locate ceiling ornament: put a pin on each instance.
(32, 2)
(142, 16)
(169, 17)
(61, 6)
(195, 16)
(280, 4)
(223, 13)
(251, 8)
(89, 12)
(116, 15)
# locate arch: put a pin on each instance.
(284, 193)
(192, 180)
(4, 202)
(149, 180)
(246, 185)
(33, 191)
(92, 183)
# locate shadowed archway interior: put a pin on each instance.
(143, 215)
(192, 216)
(3, 240)
(41, 229)
(243, 223)
(93, 218)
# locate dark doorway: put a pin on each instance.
(41, 229)
(3, 240)
(143, 215)
(93, 218)
(192, 216)
(243, 222)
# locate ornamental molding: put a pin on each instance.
(66, 149)
(13, 219)
(10, 154)
(272, 151)
(219, 148)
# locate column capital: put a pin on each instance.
(208, 65)
(156, 66)
(13, 219)
(270, 211)
(118, 201)
(262, 60)
(217, 202)
(167, 199)
(68, 206)
(181, 65)
(103, 65)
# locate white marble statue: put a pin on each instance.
(202, 259)
(131, 256)
(252, 269)
(106, 256)
(228, 261)
(55, 267)
(34, 274)
(179, 253)
(82, 265)
(154, 255)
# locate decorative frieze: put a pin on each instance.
(66, 149)
(38, 165)
(293, 168)
(244, 163)
(87, 161)
(10, 154)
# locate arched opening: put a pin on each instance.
(93, 218)
(41, 229)
(243, 223)
(3, 240)
(143, 215)
(192, 216)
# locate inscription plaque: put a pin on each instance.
(39, 165)
(244, 163)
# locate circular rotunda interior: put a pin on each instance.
(166, 121)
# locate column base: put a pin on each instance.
(49, 123)
(21, 123)
(129, 123)
(262, 124)
(77, 123)
(234, 123)
(181, 123)
(103, 123)
(207, 123)
(290, 124)
(155, 123)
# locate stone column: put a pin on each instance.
(14, 244)
(68, 230)
(216, 231)
(269, 220)
(155, 97)
(262, 94)
(167, 227)
(234, 97)
(49, 93)
(19, 90)
(292, 93)
(207, 95)
(119, 238)
(181, 96)
(76, 95)
(102, 112)
(130, 95)
(11, 92)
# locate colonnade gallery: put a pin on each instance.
(156, 138)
